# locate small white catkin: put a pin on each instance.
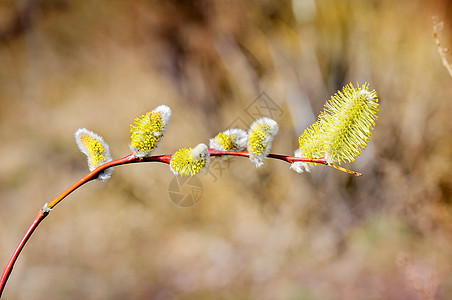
(300, 166)
(95, 149)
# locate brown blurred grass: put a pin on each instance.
(263, 233)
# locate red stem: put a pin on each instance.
(122, 161)
(289, 159)
(47, 207)
(10, 265)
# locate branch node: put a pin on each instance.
(46, 209)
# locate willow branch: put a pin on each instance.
(43, 212)
(289, 159)
(438, 26)
(12, 261)
(130, 159)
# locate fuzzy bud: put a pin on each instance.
(230, 140)
(260, 138)
(96, 150)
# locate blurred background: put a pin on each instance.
(266, 233)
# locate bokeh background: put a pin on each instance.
(266, 233)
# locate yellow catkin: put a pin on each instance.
(146, 131)
(225, 141)
(348, 122)
(311, 142)
(234, 139)
(343, 129)
(258, 139)
(188, 161)
(95, 150)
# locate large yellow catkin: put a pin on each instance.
(311, 142)
(343, 129)
(348, 122)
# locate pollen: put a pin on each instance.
(230, 140)
(148, 130)
(189, 162)
(342, 130)
(258, 141)
(225, 141)
(96, 150)
(311, 142)
(261, 135)
(349, 120)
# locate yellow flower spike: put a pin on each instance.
(148, 130)
(189, 162)
(260, 138)
(347, 122)
(342, 130)
(230, 140)
(311, 145)
(96, 150)
(311, 142)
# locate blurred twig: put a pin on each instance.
(437, 27)
(19, 22)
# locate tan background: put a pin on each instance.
(265, 233)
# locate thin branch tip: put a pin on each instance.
(354, 173)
